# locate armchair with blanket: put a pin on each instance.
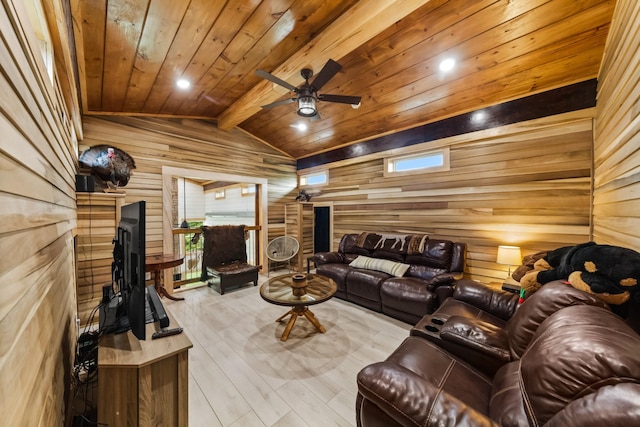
(224, 257)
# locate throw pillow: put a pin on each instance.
(386, 266)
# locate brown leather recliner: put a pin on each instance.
(580, 368)
(487, 328)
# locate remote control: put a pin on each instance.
(166, 332)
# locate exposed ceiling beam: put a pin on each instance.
(356, 26)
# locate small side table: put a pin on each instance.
(157, 263)
(505, 286)
(511, 287)
(309, 259)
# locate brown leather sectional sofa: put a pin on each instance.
(562, 358)
(434, 265)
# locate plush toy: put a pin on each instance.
(611, 273)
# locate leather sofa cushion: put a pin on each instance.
(437, 254)
(336, 271)
(366, 283)
(348, 245)
(396, 269)
(394, 256)
(408, 294)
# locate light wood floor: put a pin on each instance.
(241, 374)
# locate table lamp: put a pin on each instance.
(509, 255)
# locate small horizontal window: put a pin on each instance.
(318, 178)
(426, 161)
(219, 194)
(247, 189)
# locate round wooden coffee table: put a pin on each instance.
(299, 295)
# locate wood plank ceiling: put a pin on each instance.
(130, 54)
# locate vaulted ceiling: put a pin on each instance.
(131, 52)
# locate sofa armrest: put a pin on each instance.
(411, 400)
(442, 279)
(483, 337)
(443, 292)
(320, 258)
(497, 302)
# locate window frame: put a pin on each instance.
(247, 190)
(305, 178)
(444, 152)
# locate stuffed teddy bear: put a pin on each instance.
(611, 273)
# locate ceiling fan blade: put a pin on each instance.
(343, 99)
(278, 103)
(328, 71)
(276, 80)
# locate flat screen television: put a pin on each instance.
(124, 302)
(127, 303)
(131, 233)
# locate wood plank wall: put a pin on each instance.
(37, 227)
(616, 205)
(195, 145)
(527, 184)
(299, 225)
(98, 218)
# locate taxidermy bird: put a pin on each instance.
(303, 196)
(112, 165)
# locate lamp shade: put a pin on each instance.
(509, 255)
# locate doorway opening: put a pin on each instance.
(322, 227)
(321, 237)
(200, 185)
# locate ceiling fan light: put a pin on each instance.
(307, 106)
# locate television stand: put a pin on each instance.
(143, 382)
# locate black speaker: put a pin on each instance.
(85, 184)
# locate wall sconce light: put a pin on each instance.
(509, 255)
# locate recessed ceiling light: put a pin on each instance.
(478, 117)
(183, 84)
(447, 64)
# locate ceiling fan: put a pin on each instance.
(307, 94)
